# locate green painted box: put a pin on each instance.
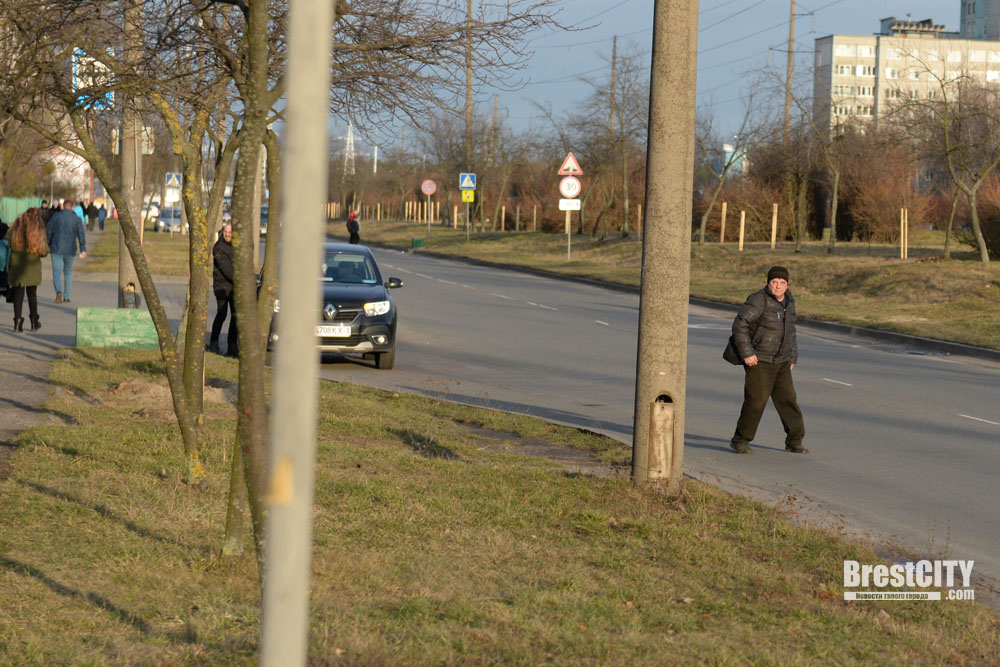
(115, 327)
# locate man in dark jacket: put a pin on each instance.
(353, 228)
(222, 285)
(63, 231)
(764, 333)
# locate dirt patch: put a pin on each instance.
(571, 460)
(152, 400)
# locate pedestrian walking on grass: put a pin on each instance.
(353, 228)
(27, 247)
(102, 215)
(64, 232)
(222, 286)
(764, 334)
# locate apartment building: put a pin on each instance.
(980, 19)
(858, 78)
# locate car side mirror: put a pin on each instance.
(394, 282)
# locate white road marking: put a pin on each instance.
(422, 275)
(846, 384)
(602, 323)
(542, 305)
(447, 282)
(987, 421)
(469, 286)
(531, 303)
(509, 298)
(399, 268)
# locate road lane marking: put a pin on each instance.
(447, 282)
(987, 421)
(509, 298)
(531, 303)
(846, 384)
(469, 286)
(422, 275)
(542, 305)
(399, 268)
(602, 323)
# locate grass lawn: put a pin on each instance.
(167, 254)
(437, 541)
(956, 300)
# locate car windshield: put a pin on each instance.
(349, 267)
(171, 214)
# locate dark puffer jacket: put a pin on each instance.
(222, 274)
(766, 327)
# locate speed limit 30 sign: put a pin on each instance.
(569, 187)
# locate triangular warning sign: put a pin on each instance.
(467, 182)
(570, 167)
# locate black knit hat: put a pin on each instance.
(777, 272)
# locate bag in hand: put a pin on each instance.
(731, 353)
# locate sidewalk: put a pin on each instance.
(25, 358)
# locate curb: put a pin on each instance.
(929, 345)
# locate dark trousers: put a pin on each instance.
(355, 238)
(772, 381)
(18, 292)
(225, 302)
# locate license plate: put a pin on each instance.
(333, 330)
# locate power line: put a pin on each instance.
(733, 15)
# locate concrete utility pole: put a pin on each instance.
(468, 87)
(129, 294)
(661, 374)
(289, 493)
(788, 74)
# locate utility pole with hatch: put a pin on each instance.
(661, 366)
(129, 294)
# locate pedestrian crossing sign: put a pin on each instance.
(466, 181)
(173, 179)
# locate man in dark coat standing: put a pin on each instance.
(222, 285)
(63, 231)
(764, 333)
(353, 228)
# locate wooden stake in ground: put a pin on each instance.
(503, 218)
(743, 220)
(774, 225)
(906, 233)
(722, 226)
(534, 218)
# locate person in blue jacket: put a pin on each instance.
(64, 230)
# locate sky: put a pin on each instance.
(735, 37)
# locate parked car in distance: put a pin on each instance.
(358, 315)
(263, 219)
(169, 220)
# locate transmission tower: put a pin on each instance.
(349, 152)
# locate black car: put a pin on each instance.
(358, 314)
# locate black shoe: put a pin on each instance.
(233, 352)
(35, 323)
(65, 300)
(18, 324)
(213, 348)
(797, 449)
(740, 447)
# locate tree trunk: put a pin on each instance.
(951, 222)
(833, 211)
(970, 194)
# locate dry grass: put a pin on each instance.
(434, 543)
(166, 254)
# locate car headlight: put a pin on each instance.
(376, 308)
(277, 305)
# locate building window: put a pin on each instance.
(843, 90)
(891, 54)
(913, 94)
(866, 91)
(841, 110)
(891, 73)
(954, 56)
(866, 51)
(892, 93)
(845, 50)
(977, 56)
(914, 75)
(866, 70)
(932, 56)
(864, 111)
(993, 76)
(845, 70)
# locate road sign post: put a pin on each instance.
(428, 187)
(467, 184)
(569, 188)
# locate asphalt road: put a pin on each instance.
(904, 446)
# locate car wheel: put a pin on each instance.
(385, 360)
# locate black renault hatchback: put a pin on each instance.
(358, 314)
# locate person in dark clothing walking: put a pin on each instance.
(102, 215)
(91, 216)
(222, 285)
(764, 333)
(63, 232)
(27, 247)
(353, 228)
